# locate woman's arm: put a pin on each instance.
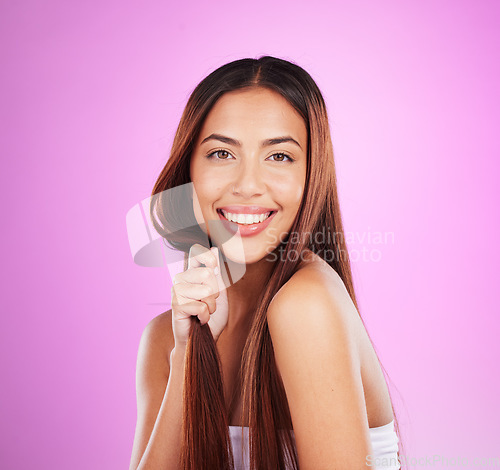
(159, 399)
(311, 325)
(199, 291)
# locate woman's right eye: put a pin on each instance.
(219, 155)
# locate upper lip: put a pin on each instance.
(247, 209)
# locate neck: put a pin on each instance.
(243, 295)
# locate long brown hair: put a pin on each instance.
(205, 440)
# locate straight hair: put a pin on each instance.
(205, 433)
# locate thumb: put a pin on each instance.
(217, 270)
(215, 251)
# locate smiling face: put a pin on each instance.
(248, 169)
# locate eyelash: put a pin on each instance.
(210, 156)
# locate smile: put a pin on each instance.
(245, 219)
(250, 221)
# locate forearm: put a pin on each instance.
(163, 449)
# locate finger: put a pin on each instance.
(207, 276)
(185, 292)
(209, 301)
(196, 309)
(201, 256)
(199, 275)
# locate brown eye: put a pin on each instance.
(219, 155)
(280, 157)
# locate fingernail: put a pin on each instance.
(216, 270)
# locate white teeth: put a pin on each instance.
(245, 219)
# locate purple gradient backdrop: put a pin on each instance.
(90, 98)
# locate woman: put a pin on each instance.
(274, 370)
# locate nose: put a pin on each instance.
(249, 180)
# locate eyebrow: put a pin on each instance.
(264, 143)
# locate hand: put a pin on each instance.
(199, 291)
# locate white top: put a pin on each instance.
(383, 438)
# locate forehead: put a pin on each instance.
(257, 111)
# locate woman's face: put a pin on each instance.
(248, 169)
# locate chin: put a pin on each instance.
(238, 253)
(236, 256)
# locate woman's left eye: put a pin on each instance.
(281, 157)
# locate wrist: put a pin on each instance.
(177, 355)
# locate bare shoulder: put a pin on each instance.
(313, 328)
(159, 328)
(314, 307)
(313, 316)
(315, 288)
(157, 341)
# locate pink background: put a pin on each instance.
(90, 99)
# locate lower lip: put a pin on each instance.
(246, 230)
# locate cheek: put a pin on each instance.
(297, 195)
(205, 193)
(198, 214)
(290, 190)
